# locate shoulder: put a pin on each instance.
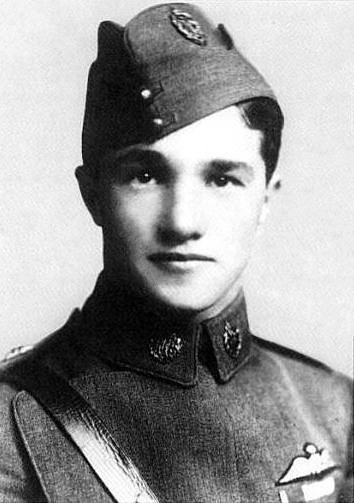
(300, 364)
(12, 380)
(18, 481)
(326, 392)
(55, 347)
(303, 369)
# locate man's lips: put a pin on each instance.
(165, 257)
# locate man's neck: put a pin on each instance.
(143, 297)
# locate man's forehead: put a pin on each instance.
(222, 137)
(220, 134)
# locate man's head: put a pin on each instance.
(181, 135)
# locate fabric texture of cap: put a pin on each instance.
(168, 68)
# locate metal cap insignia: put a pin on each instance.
(188, 27)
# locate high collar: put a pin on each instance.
(123, 330)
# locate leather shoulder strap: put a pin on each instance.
(80, 422)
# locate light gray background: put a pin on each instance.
(300, 284)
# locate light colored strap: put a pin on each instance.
(77, 418)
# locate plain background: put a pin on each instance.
(300, 283)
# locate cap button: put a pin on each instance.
(146, 94)
(158, 122)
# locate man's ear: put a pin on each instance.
(90, 193)
(273, 186)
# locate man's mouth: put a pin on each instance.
(172, 257)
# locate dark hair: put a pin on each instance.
(265, 115)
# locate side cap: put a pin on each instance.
(169, 67)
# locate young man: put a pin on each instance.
(180, 141)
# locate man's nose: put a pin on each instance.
(182, 214)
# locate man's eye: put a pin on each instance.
(137, 175)
(221, 181)
(140, 177)
(224, 180)
(144, 177)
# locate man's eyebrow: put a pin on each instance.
(134, 154)
(225, 166)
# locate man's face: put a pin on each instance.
(179, 216)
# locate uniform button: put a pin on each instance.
(232, 338)
(165, 349)
(158, 122)
(146, 94)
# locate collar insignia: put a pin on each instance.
(188, 27)
(165, 349)
(232, 339)
(314, 465)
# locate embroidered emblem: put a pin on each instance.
(165, 349)
(188, 27)
(232, 339)
(315, 464)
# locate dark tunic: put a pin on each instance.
(207, 412)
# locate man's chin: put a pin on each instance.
(190, 304)
(193, 300)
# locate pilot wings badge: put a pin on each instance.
(314, 465)
(308, 477)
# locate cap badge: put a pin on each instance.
(188, 27)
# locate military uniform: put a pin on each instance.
(207, 412)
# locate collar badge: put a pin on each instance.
(165, 349)
(232, 338)
(188, 27)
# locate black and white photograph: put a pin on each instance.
(177, 251)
